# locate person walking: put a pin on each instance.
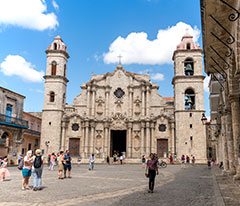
(108, 160)
(152, 170)
(193, 160)
(37, 169)
(121, 159)
(3, 169)
(183, 161)
(67, 165)
(52, 161)
(91, 162)
(61, 163)
(26, 171)
(171, 159)
(143, 161)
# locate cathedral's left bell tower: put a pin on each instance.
(54, 95)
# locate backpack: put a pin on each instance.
(37, 162)
(21, 164)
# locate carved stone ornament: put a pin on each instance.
(137, 143)
(119, 120)
(100, 105)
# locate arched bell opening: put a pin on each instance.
(189, 99)
(189, 67)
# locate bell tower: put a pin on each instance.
(188, 84)
(54, 95)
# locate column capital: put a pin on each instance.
(130, 124)
(87, 124)
(143, 124)
(94, 89)
(147, 124)
(93, 124)
(143, 88)
(148, 88)
(88, 88)
(152, 125)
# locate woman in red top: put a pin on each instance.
(152, 171)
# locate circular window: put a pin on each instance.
(75, 127)
(162, 127)
(119, 93)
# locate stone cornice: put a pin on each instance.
(55, 77)
(194, 77)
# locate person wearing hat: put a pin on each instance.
(37, 169)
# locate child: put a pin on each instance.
(4, 171)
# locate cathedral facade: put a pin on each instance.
(123, 111)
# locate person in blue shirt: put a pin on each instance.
(67, 165)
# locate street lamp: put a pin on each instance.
(204, 121)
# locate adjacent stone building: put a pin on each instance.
(12, 123)
(123, 111)
(220, 29)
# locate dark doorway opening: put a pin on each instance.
(118, 141)
(162, 147)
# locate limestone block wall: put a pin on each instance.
(190, 141)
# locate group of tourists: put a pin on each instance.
(186, 160)
(118, 157)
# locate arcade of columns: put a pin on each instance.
(221, 40)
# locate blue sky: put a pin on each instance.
(95, 31)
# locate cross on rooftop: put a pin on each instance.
(119, 58)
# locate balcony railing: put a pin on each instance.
(32, 132)
(13, 121)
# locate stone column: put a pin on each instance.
(229, 134)
(92, 138)
(152, 141)
(83, 140)
(129, 151)
(236, 131)
(130, 102)
(143, 101)
(172, 138)
(107, 103)
(224, 141)
(63, 136)
(148, 101)
(93, 101)
(106, 139)
(86, 139)
(147, 138)
(142, 138)
(88, 100)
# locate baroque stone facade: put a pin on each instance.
(123, 111)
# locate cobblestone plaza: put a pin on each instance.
(123, 185)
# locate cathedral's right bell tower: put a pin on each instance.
(188, 81)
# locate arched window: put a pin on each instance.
(189, 99)
(189, 67)
(65, 69)
(188, 46)
(54, 68)
(4, 140)
(52, 97)
(55, 46)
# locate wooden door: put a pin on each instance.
(74, 147)
(162, 147)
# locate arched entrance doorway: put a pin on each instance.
(4, 144)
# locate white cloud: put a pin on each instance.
(17, 65)
(30, 14)
(145, 71)
(157, 76)
(55, 5)
(137, 48)
(206, 83)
